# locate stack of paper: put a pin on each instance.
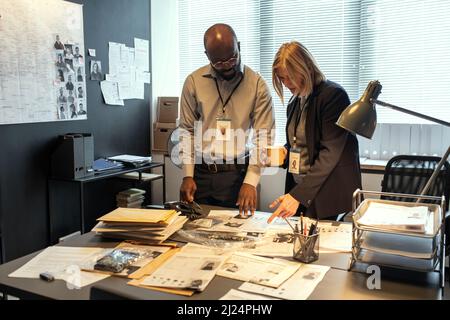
(395, 217)
(153, 226)
(131, 198)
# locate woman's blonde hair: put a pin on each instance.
(301, 67)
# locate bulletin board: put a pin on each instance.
(42, 62)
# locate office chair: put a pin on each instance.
(409, 174)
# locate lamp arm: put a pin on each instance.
(436, 172)
(413, 113)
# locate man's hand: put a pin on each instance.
(187, 189)
(247, 199)
(287, 207)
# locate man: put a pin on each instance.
(61, 97)
(58, 44)
(224, 97)
(69, 84)
(81, 111)
(80, 93)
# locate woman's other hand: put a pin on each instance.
(287, 207)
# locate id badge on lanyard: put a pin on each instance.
(223, 129)
(294, 159)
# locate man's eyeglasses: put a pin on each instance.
(230, 63)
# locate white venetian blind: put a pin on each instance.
(330, 29)
(196, 16)
(405, 44)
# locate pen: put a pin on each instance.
(301, 222)
(290, 225)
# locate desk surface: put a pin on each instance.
(337, 284)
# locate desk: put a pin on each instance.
(67, 205)
(337, 284)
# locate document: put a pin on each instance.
(259, 270)
(335, 237)
(114, 58)
(273, 244)
(234, 294)
(64, 264)
(199, 250)
(396, 217)
(110, 92)
(231, 221)
(92, 52)
(142, 54)
(185, 271)
(298, 287)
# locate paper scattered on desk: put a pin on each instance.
(335, 237)
(185, 271)
(298, 287)
(263, 271)
(234, 294)
(63, 263)
(110, 92)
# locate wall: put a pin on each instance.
(26, 148)
(165, 79)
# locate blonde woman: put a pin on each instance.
(322, 159)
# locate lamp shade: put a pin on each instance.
(361, 117)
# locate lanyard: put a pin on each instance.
(298, 118)
(224, 104)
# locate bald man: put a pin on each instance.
(220, 105)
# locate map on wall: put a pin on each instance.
(42, 61)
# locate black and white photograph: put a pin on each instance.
(61, 95)
(81, 111)
(209, 266)
(284, 238)
(60, 63)
(69, 84)
(62, 111)
(73, 111)
(80, 92)
(60, 75)
(68, 51)
(230, 267)
(96, 70)
(233, 224)
(77, 56)
(80, 74)
(70, 97)
(58, 44)
(69, 65)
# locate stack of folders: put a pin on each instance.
(131, 198)
(152, 226)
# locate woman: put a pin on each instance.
(322, 158)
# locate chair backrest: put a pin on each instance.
(409, 174)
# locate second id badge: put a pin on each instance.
(223, 129)
(294, 161)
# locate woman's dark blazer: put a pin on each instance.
(335, 172)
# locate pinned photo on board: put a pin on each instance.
(96, 70)
(77, 56)
(80, 74)
(60, 75)
(81, 111)
(61, 96)
(58, 45)
(69, 84)
(80, 92)
(68, 52)
(62, 111)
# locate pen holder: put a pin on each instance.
(306, 248)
